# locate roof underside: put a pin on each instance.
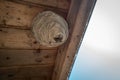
(21, 56)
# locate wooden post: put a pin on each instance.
(78, 18)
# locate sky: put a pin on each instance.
(99, 55)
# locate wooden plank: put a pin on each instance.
(63, 4)
(26, 57)
(18, 39)
(19, 15)
(28, 78)
(78, 18)
(26, 73)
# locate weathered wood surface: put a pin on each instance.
(26, 73)
(26, 57)
(78, 18)
(21, 56)
(27, 78)
(18, 39)
(18, 15)
(63, 4)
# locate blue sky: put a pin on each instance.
(99, 55)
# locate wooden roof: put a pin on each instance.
(21, 56)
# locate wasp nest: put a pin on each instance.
(50, 29)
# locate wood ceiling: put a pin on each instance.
(21, 56)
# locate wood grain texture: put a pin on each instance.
(18, 15)
(63, 4)
(18, 39)
(26, 57)
(78, 17)
(26, 73)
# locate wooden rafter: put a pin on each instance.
(78, 18)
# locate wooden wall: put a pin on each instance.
(21, 56)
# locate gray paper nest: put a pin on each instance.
(50, 29)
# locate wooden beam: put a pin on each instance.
(9, 57)
(62, 4)
(17, 15)
(19, 39)
(78, 18)
(34, 72)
